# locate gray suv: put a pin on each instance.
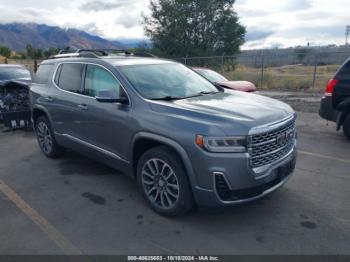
(185, 140)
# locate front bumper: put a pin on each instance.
(237, 184)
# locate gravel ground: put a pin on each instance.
(308, 102)
(75, 205)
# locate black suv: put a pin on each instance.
(335, 104)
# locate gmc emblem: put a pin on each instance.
(284, 138)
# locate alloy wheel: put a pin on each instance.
(44, 137)
(160, 183)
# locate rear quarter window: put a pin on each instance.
(344, 71)
(44, 74)
(69, 77)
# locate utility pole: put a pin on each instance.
(347, 33)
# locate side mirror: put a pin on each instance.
(109, 96)
(120, 100)
(218, 86)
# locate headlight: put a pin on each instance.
(235, 144)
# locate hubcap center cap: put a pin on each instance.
(161, 183)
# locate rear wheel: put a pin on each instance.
(346, 127)
(46, 139)
(163, 182)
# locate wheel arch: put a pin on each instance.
(148, 141)
(342, 116)
(38, 111)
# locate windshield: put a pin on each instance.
(170, 80)
(212, 76)
(11, 73)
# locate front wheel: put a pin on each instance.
(163, 182)
(346, 127)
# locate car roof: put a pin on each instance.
(135, 61)
(12, 65)
(202, 69)
(113, 60)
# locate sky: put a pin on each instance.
(269, 23)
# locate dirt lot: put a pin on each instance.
(286, 78)
(74, 205)
(308, 102)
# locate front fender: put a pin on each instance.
(172, 144)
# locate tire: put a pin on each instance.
(163, 182)
(346, 127)
(46, 138)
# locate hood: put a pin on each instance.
(231, 110)
(22, 83)
(244, 86)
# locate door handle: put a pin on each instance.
(48, 99)
(83, 106)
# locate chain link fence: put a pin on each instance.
(281, 69)
(31, 64)
(276, 69)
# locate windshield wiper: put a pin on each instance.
(208, 92)
(167, 98)
(205, 93)
(173, 98)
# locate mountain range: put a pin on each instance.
(17, 35)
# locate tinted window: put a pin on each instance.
(212, 76)
(344, 72)
(10, 73)
(99, 82)
(44, 74)
(166, 80)
(70, 77)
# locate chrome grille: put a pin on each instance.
(269, 146)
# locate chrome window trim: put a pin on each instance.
(97, 148)
(81, 95)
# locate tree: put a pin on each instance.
(194, 27)
(34, 53)
(50, 52)
(5, 51)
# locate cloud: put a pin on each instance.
(98, 5)
(25, 15)
(92, 28)
(254, 34)
(269, 22)
(293, 22)
(296, 5)
(128, 20)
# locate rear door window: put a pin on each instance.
(44, 74)
(70, 77)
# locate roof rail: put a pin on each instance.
(145, 54)
(90, 53)
(98, 53)
(105, 51)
